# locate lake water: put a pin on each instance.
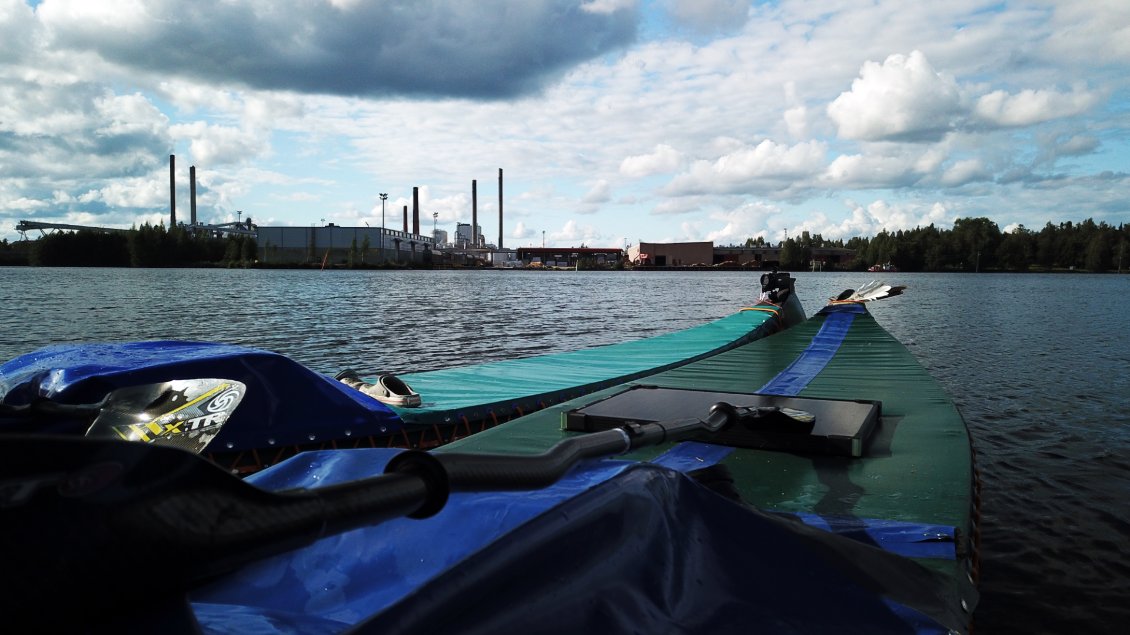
(1038, 365)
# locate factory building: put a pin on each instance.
(333, 244)
(465, 239)
(672, 254)
(568, 256)
(705, 254)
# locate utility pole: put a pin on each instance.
(172, 191)
(384, 197)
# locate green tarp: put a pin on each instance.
(516, 386)
(916, 468)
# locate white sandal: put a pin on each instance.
(389, 389)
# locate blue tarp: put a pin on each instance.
(615, 546)
(793, 379)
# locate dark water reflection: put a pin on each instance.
(1037, 363)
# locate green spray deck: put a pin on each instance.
(466, 399)
(917, 467)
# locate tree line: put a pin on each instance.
(146, 246)
(973, 244)
(977, 244)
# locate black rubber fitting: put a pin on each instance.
(428, 468)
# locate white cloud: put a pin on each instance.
(521, 231)
(965, 171)
(215, 145)
(345, 5)
(572, 234)
(607, 6)
(18, 31)
(75, 131)
(1078, 145)
(140, 192)
(678, 205)
(126, 115)
(1096, 32)
(767, 165)
(796, 120)
(738, 224)
(1030, 107)
(22, 204)
(882, 215)
(1017, 107)
(599, 193)
(662, 159)
(870, 170)
(902, 98)
(708, 16)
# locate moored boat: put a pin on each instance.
(814, 481)
(287, 408)
(883, 268)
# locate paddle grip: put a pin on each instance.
(510, 471)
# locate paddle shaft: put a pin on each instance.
(77, 514)
(500, 471)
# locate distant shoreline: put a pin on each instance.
(402, 267)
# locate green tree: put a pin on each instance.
(248, 250)
(232, 251)
(790, 254)
(976, 241)
(145, 248)
(1017, 249)
(84, 248)
(1046, 247)
(1068, 252)
(1098, 254)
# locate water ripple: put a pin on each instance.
(1037, 364)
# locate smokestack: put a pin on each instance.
(192, 194)
(415, 210)
(500, 209)
(172, 191)
(474, 212)
(405, 219)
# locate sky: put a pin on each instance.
(614, 121)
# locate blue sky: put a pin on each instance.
(615, 121)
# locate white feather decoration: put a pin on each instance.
(874, 290)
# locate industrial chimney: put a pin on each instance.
(416, 210)
(500, 209)
(405, 219)
(474, 213)
(172, 191)
(192, 194)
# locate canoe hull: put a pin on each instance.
(796, 542)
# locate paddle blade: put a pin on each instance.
(870, 292)
(802, 416)
(185, 414)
